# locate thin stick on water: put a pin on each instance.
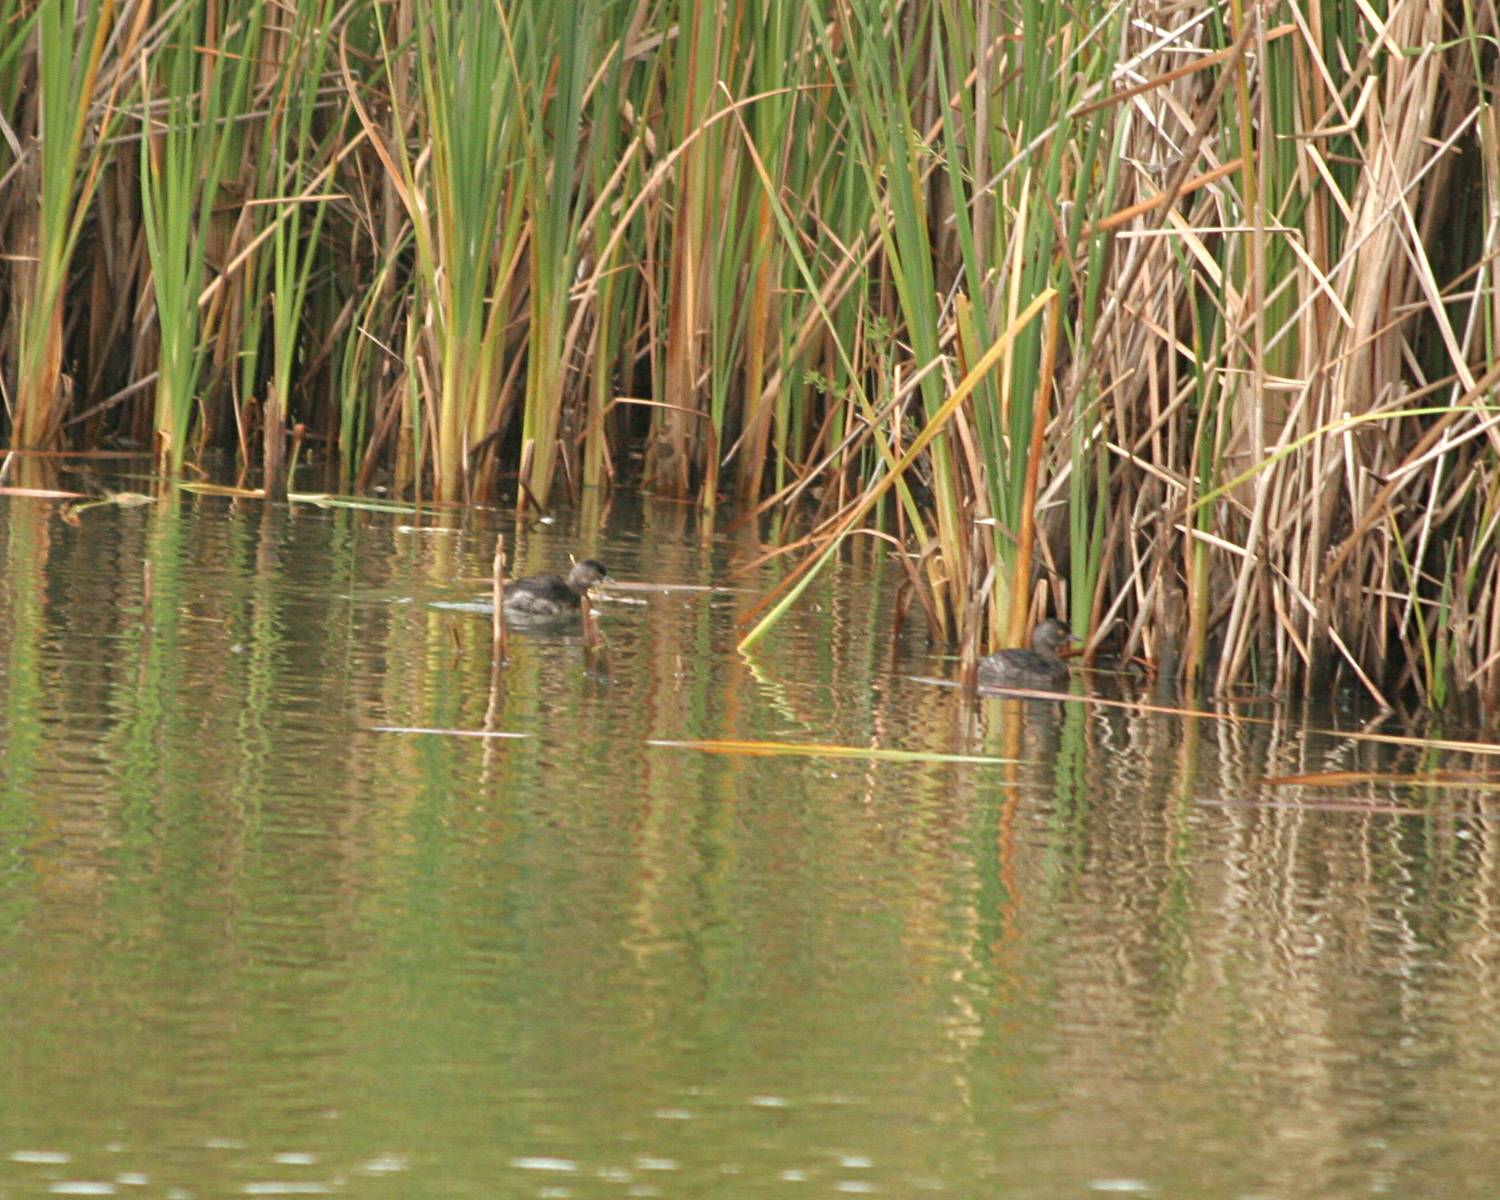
(500, 642)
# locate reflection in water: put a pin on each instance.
(253, 942)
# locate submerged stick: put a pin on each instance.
(500, 641)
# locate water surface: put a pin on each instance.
(252, 942)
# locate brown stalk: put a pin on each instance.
(499, 637)
(1125, 215)
(595, 650)
(1198, 64)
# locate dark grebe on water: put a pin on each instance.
(1039, 667)
(552, 595)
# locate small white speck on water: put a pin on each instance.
(542, 1163)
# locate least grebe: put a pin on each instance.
(1039, 667)
(552, 595)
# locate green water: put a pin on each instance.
(252, 943)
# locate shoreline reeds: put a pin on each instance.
(762, 247)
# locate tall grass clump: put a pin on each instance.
(303, 151)
(1178, 322)
(459, 181)
(553, 80)
(193, 90)
(53, 89)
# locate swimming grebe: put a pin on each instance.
(1039, 667)
(552, 595)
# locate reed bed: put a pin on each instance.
(1177, 320)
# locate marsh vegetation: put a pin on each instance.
(1177, 321)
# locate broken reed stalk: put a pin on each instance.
(499, 653)
(968, 662)
(500, 639)
(592, 638)
(595, 657)
(974, 624)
